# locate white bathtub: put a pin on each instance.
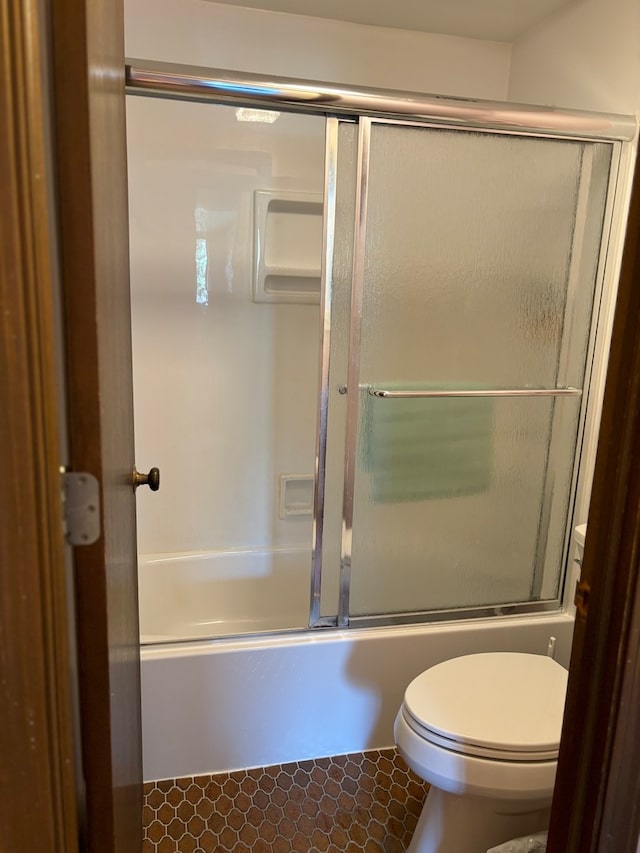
(214, 706)
(198, 595)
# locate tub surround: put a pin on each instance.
(366, 801)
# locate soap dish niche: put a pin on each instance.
(296, 495)
(287, 242)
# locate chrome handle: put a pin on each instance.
(496, 392)
(152, 479)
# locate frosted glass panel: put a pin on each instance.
(448, 500)
(480, 261)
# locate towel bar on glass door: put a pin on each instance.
(488, 392)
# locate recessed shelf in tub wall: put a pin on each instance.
(287, 246)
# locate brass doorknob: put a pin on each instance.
(152, 479)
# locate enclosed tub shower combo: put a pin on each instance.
(364, 332)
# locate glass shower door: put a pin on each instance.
(473, 291)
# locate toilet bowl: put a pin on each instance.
(483, 730)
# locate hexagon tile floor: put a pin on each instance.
(347, 804)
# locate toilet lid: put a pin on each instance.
(499, 704)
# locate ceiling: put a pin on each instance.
(499, 20)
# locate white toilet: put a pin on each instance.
(484, 731)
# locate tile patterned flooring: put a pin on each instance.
(346, 804)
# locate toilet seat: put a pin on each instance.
(504, 706)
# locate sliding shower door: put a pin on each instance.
(475, 267)
(226, 212)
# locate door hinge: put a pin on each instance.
(581, 598)
(80, 507)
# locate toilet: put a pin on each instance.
(483, 730)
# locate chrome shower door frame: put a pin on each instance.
(368, 107)
(355, 391)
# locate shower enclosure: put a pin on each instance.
(363, 333)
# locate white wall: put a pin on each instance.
(584, 56)
(198, 32)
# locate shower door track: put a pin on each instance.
(193, 83)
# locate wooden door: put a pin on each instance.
(596, 803)
(90, 153)
(38, 808)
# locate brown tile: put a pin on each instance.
(193, 794)
(268, 831)
(284, 781)
(328, 805)
(167, 845)
(314, 791)
(318, 775)
(243, 801)
(352, 770)
(339, 837)
(324, 822)
(208, 842)
(235, 819)
(228, 838)
(155, 831)
(286, 828)
(336, 772)
(306, 825)
(300, 843)
(319, 841)
(367, 783)
(155, 798)
(349, 785)
(216, 823)
(358, 834)
(166, 813)
(231, 787)
(376, 830)
(356, 803)
(176, 829)
(302, 777)
(196, 825)
(297, 794)
(273, 813)
(185, 811)
(249, 786)
(205, 809)
(248, 835)
(187, 844)
(343, 818)
(279, 797)
(175, 796)
(292, 810)
(310, 807)
(254, 816)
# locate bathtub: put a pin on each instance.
(195, 595)
(212, 706)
